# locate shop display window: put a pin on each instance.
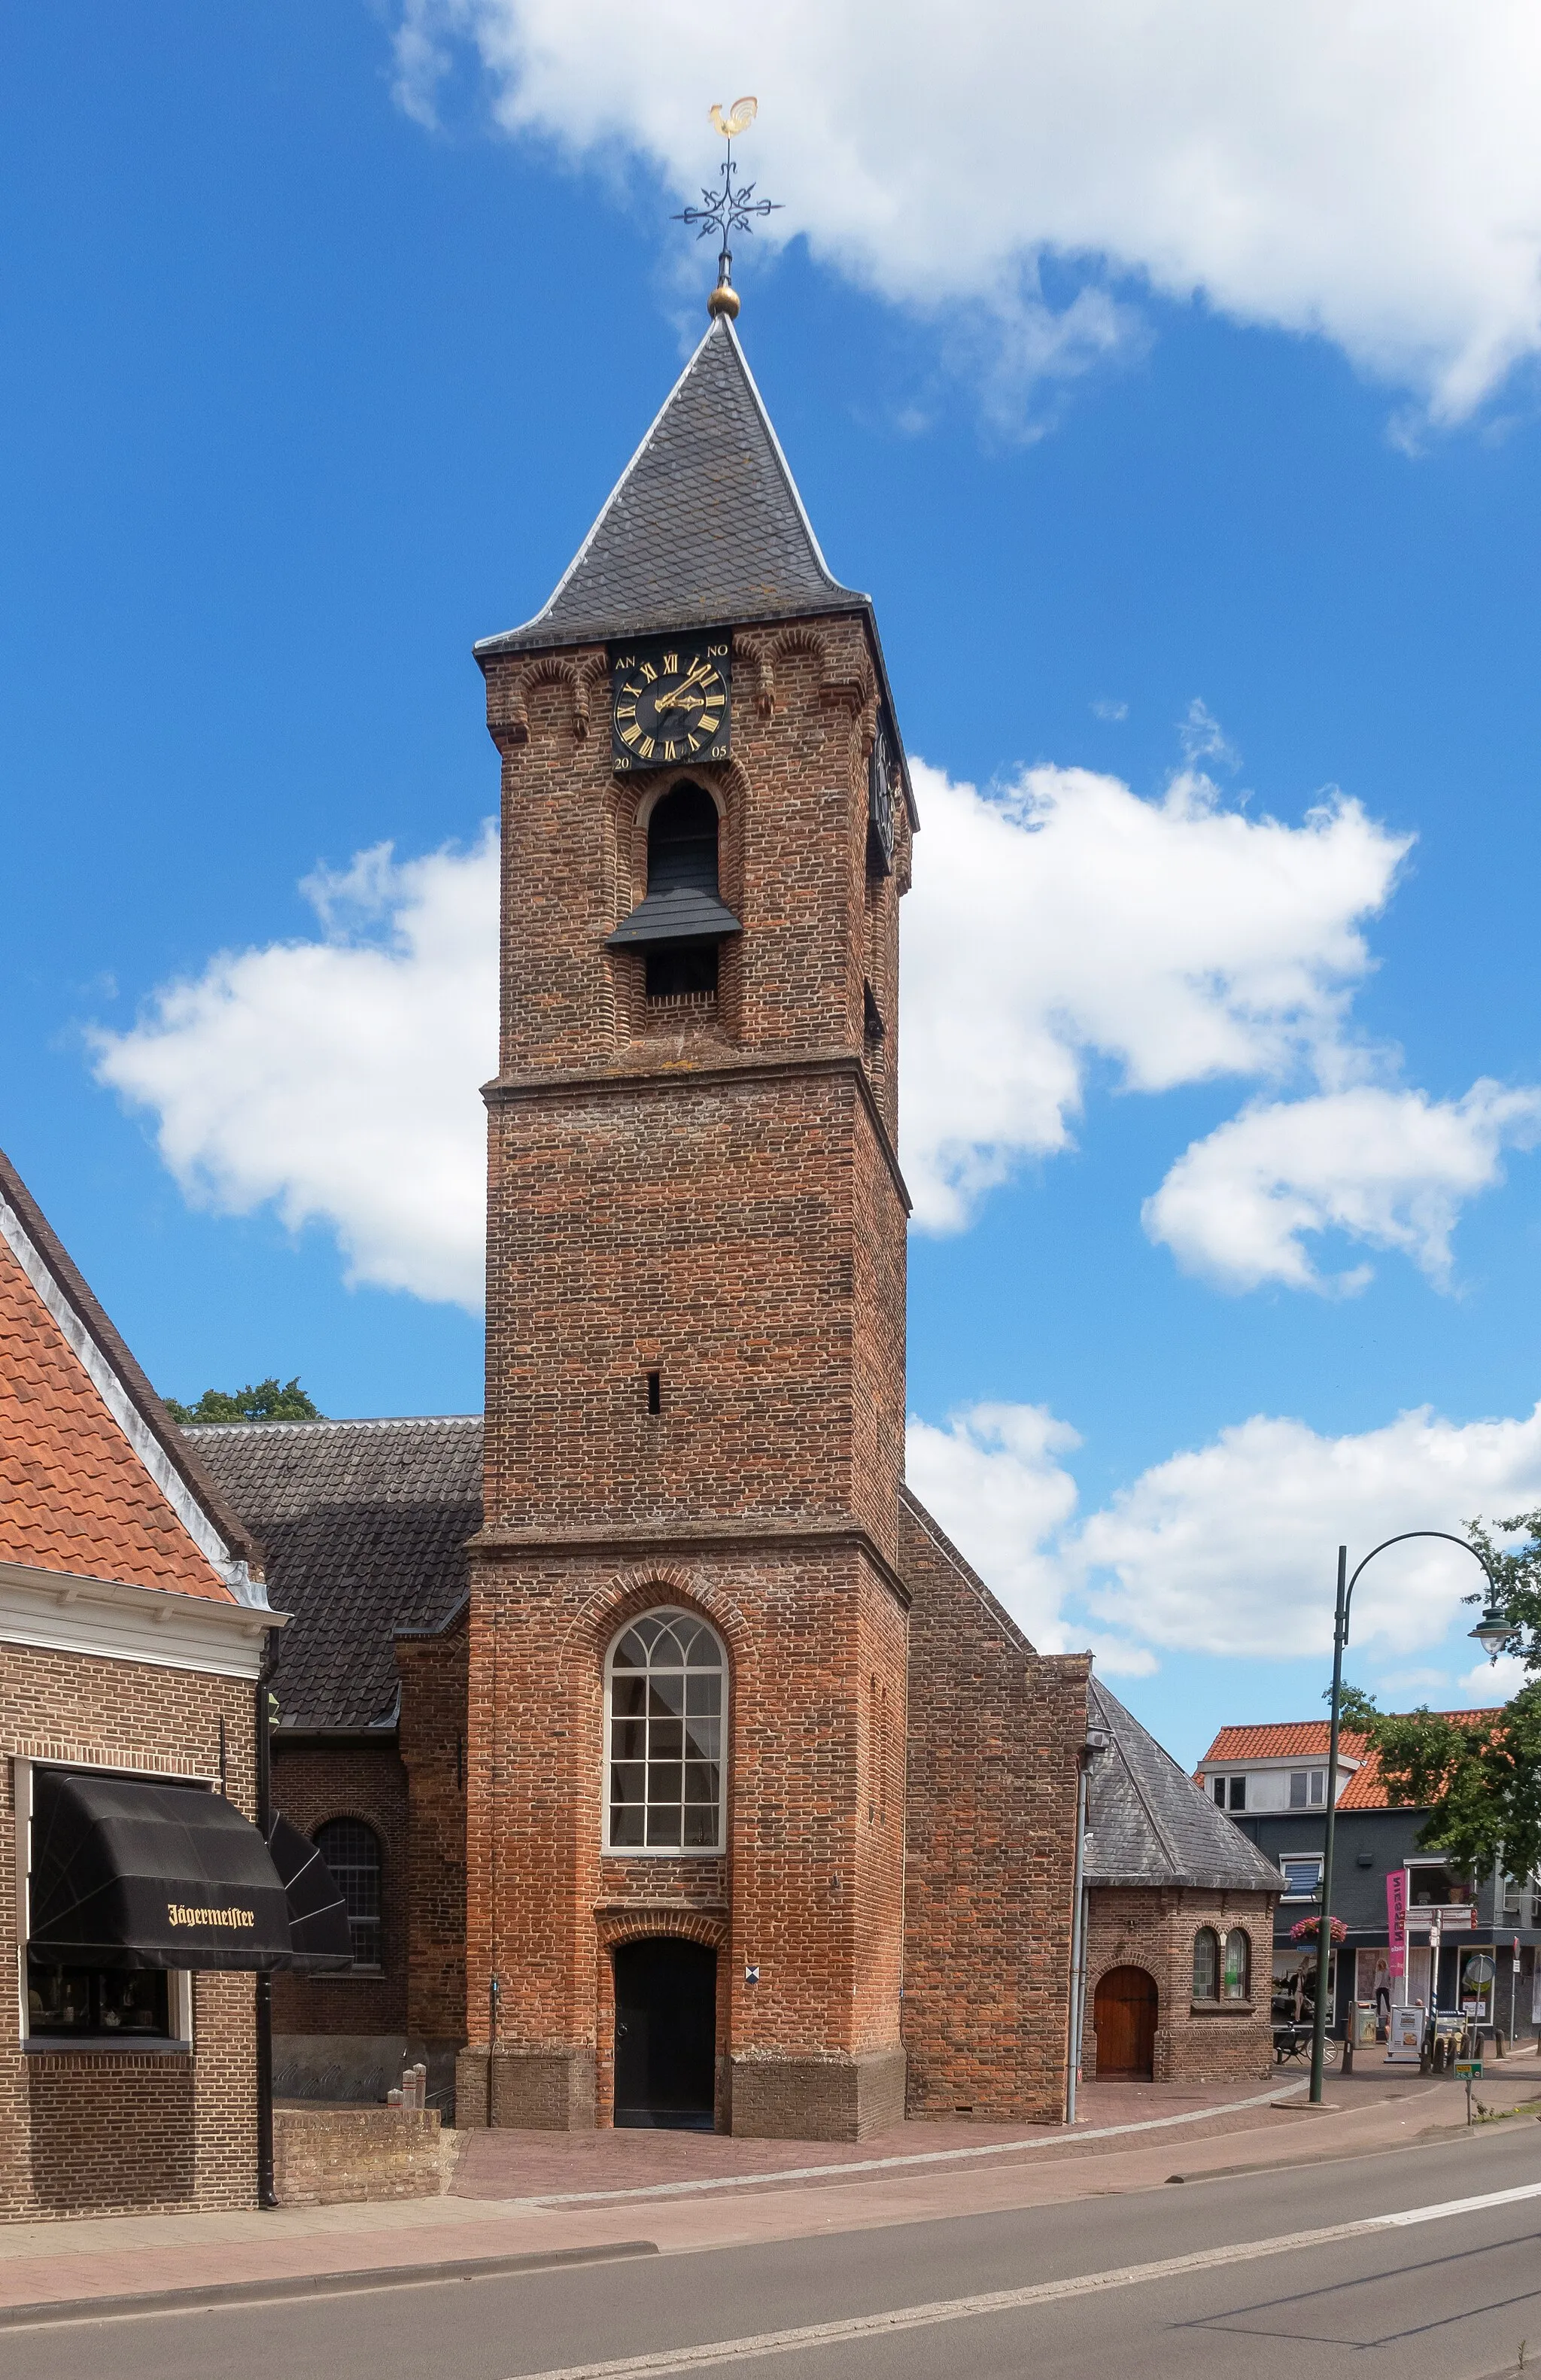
(98, 2003)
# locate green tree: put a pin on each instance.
(266, 1400)
(1479, 1778)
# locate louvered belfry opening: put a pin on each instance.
(682, 857)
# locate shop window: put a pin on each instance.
(98, 2003)
(1205, 1964)
(1432, 1884)
(351, 1851)
(1237, 1978)
(665, 1687)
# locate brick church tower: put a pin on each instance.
(688, 1630)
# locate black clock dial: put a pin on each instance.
(882, 779)
(669, 702)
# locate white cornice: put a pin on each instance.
(130, 1421)
(59, 1612)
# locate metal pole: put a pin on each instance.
(266, 2193)
(1324, 1924)
(1077, 1941)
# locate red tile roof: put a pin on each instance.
(1306, 1739)
(74, 1495)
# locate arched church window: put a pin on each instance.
(1207, 1964)
(351, 1851)
(1238, 1964)
(665, 1697)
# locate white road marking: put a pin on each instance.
(1079, 2284)
(909, 2157)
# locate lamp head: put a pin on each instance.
(1493, 1632)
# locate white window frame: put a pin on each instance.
(180, 2041)
(1295, 1859)
(667, 1611)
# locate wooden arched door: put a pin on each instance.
(1124, 2015)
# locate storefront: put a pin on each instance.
(139, 1901)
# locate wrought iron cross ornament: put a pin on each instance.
(728, 209)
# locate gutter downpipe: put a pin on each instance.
(267, 2194)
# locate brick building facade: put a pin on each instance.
(764, 1815)
(132, 1621)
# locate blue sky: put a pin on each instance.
(302, 393)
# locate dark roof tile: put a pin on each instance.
(364, 1525)
(1147, 1823)
(705, 528)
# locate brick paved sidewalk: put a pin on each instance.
(909, 2177)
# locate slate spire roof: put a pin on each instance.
(705, 527)
(1147, 1823)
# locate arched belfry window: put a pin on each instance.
(665, 1708)
(681, 921)
(681, 842)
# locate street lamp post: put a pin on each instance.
(1492, 1631)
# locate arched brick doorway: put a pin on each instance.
(665, 2034)
(1124, 2014)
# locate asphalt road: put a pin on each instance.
(1449, 2297)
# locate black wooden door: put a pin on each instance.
(665, 2035)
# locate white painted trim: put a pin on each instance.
(59, 1612)
(123, 1411)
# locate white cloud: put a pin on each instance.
(1109, 708)
(1366, 174)
(338, 1078)
(1203, 738)
(1389, 1168)
(1067, 917)
(1491, 1683)
(1231, 1548)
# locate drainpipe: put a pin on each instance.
(267, 2194)
(1095, 1744)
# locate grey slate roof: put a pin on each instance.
(705, 527)
(1147, 1823)
(364, 1524)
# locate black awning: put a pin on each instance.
(320, 1940)
(128, 1873)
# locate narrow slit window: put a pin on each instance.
(655, 1392)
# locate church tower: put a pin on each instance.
(688, 1630)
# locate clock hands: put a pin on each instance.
(677, 700)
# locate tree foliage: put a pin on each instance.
(261, 1401)
(1478, 1775)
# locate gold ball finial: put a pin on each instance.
(723, 300)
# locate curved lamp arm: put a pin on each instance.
(1401, 1539)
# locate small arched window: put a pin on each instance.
(351, 1851)
(666, 1692)
(1207, 1964)
(1238, 1965)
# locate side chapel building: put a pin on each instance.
(678, 1768)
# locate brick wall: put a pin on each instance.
(89, 2132)
(330, 2156)
(311, 1784)
(433, 1738)
(990, 1864)
(1195, 2042)
(712, 1195)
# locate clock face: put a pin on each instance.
(882, 774)
(669, 701)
